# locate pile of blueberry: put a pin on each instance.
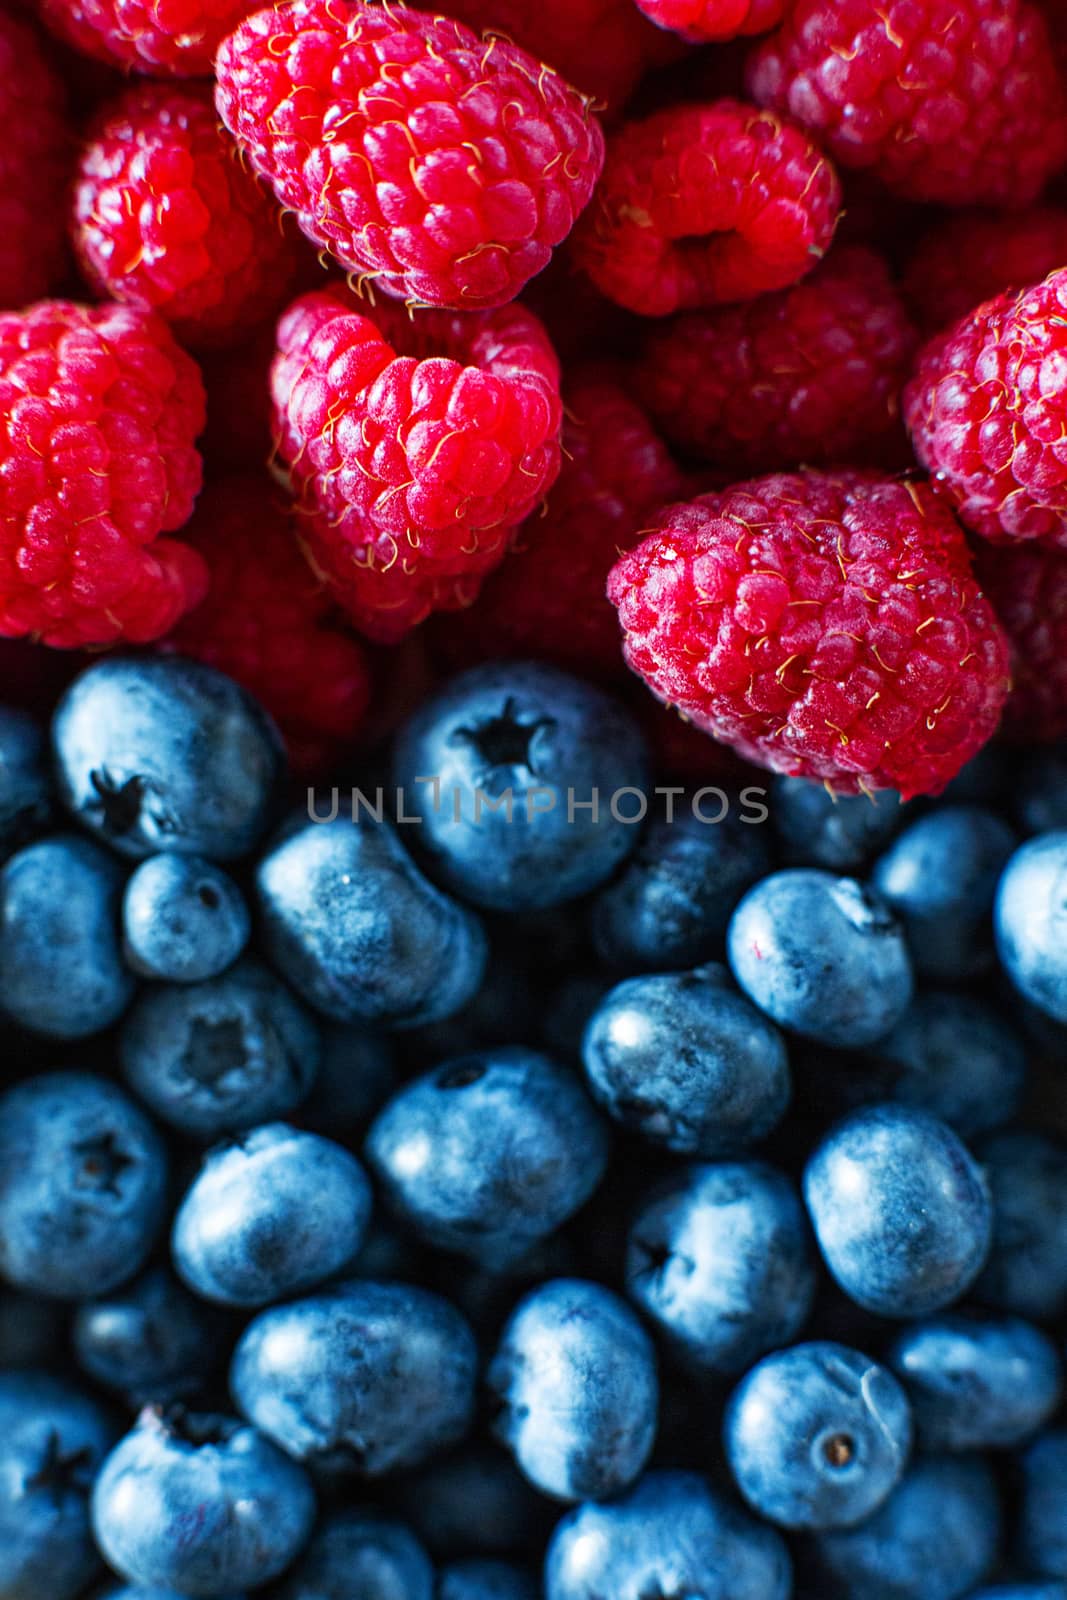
(510, 1172)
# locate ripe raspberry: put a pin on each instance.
(987, 413)
(810, 374)
(1027, 586)
(176, 39)
(34, 151)
(976, 255)
(419, 442)
(165, 218)
(701, 204)
(951, 100)
(99, 411)
(269, 622)
(444, 168)
(704, 20)
(825, 625)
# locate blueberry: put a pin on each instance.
(821, 955)
(473, 1501)
(221, 1055)
(83, 1185)
(940, 876)
(368, 1376)
(1021, 1591)
(354, 1079)
(1031, 922)
(360, 933)
(61, 969)
(1040, 790)
(575, 1378)
(672, 1535)
(956, 1057)
(839, 832)
(137, 1591)
(720, 1259)
(935, 1537)
(156, 753)
(1043, 1507)
(816, 1436)
(688, 1062)
(977, 1382)
(32, 1329)
(489, 1153)
(151, 1340)
(26, 802)
(276, 1211)
(901, 1212)
(1027, 1268)
(53, 1438)
(515, 771)
(200, 1503)
(360, 1555)
(485, 1580)
(183, 919)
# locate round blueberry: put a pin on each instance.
(956, 1057)
(840, 832)
(183, 919)
(151, 1340)
(26, 802)
(1031, 922)
(485, 1580)
(1043, 1507)
(1027, 1268)
(360, 1555)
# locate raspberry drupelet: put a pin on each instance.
(442, 167)
(417, 443)
(704, 21)
(1027, 586)
(35, 147)
(957, 101)
(178, 39)
(701, 204)
(166, 218)
(825, 625)
(976, 255)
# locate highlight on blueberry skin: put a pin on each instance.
(1031, 922)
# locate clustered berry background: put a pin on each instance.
(533, 800)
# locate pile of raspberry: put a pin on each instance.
(712, 349)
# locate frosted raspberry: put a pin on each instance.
(810, 374)
(825, 625)
(987, 413)
(166, 218)
(703, 20)
(269, 622)
(99, 411)
(976, 255)
(418, 442)
(1027, 585)
(951, 100)
(177, 38)
(441, 167)
(34, 150)
(701, 204)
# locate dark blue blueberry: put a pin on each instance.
(354, 1079)
(156, 753)
(61, 968)
(1043, 1505)
(489, 1153)
(200, 1503)
(821, 955)
(561, 749)
(1021, 1591)
(977, 1382)
(137, 1591)
(276, 1211)
(956, 1057)
(901, 1211)
(1039, 792)
(671, 1537)
(151, 1341)
(721, 1260)
(83, 1185)
(574, 1377)
(485, 1580)
(213, 1057)
(183, 919)
(816, 1436)
(936, 1536)
(1027, 1268)
(26, 803)
(1031, 922)
(360, 1555)
(473, 1501)
(670, 906)
(360, 933)
(837, 831)
(368, 1377)
(685, 1060)
(52, 1441)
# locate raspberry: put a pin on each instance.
(178, 39)
(810, 374)
(442, 168)
(34, 149)
(547, 599)
(166, 219)
(419, 442)
(987, 412)
(704, 20)
(269, 622)
(701, 204)
(99, 411)
(825, 625)
(1027, 586)
(976, 255)
(951, 100)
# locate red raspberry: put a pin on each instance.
(976, 255)
(99, 411)
(703, 20)
(951, 100)
(177, 38)
(269, 622)
(1027, 585)
(810, 374)
(165, 218)
(34, 151)
(442, 168)
(701, 204)
(419, 442)
(987, 413)
(825, 625)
